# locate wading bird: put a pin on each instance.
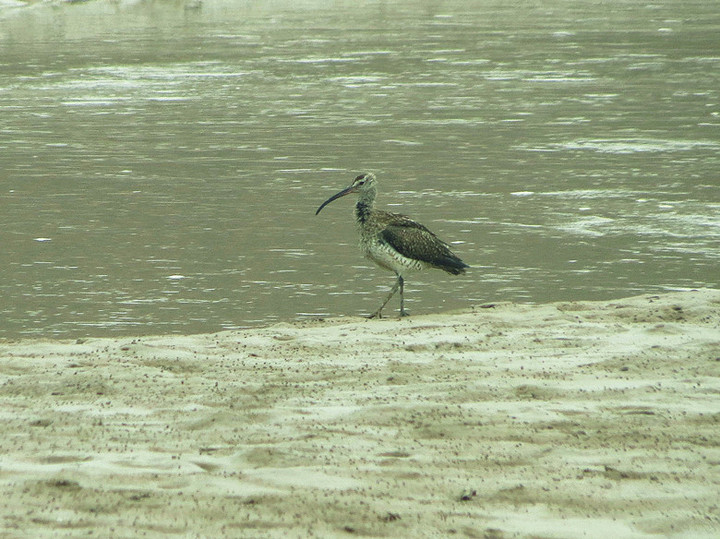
(395, 242)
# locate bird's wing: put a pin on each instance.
(413, 240)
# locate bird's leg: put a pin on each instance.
(403, 312)
(378, 313)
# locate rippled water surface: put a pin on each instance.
(161, 162)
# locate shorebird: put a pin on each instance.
(394, 241)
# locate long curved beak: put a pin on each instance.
(335, 197)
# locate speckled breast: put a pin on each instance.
(377, 250)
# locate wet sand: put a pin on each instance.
(587, 419)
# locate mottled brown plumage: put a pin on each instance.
(394, 241)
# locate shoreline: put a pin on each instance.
(559, 420)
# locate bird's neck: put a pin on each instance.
(365, 205)
(362, 211)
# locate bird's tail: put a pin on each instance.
(453, 265)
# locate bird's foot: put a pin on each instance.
(376, 314)
(404, 313)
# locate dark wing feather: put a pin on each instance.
(413, 240)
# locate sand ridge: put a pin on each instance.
(573, 419)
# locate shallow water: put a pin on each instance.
(161, 163)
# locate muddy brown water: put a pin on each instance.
(161, 163)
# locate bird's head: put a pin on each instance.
(364, 184)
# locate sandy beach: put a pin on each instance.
(583, 419)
